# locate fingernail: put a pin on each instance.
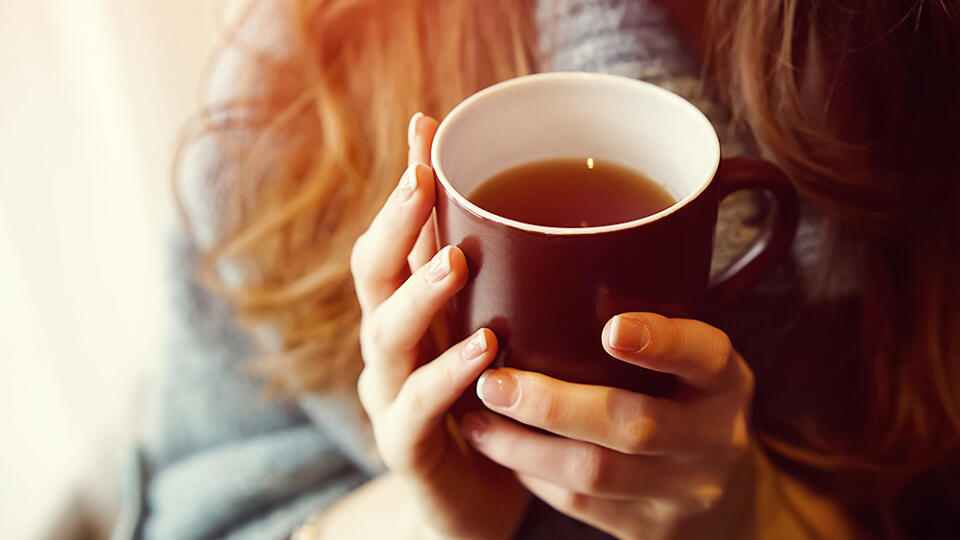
(497, 388)
(627, 334)
(439, 266)
(476, 346)
(474, 427)
(409, 182)
(412, 127)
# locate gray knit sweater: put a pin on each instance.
(219, 460)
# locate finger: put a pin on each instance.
(698, 353)
(604, 514)
(390, 336)
(611, 417)
(379, 257)
(399, 323)
(426, 245)
(420, 134)
(575, 465)
(429, 393)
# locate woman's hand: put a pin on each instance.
(458, 495)
(630, 464)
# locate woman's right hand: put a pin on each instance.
(458, 494)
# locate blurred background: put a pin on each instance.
(92, 94)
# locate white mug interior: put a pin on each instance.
(568, 115)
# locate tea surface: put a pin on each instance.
(571, 192)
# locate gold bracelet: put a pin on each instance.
(310, 530)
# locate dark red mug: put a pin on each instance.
(547, 292)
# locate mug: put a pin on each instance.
(547, 292)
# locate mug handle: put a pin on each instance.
(776, 236)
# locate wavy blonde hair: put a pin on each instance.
(854, 99)
(313, 146)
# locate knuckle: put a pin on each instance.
(665, 338)
(374, 331)
(706, 496)
(575, 502)
(499, 445)
(387, 328)
(367, 390)
(412, 398)
(720, 353)
(544, 409)
(658, 510)
(358, 256)
(637, 419)
(641, 435)
(591, 470)
(724, 345)
(363, 387)
(443, 374)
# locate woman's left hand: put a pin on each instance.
(630, 464)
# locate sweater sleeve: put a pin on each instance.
(216, 457)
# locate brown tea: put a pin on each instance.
(571, 192)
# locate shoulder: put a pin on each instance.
(633, 38)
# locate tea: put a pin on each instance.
(571, 192)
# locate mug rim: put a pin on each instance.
(509, 84)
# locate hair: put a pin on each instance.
(856, 100)
(313, 145)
